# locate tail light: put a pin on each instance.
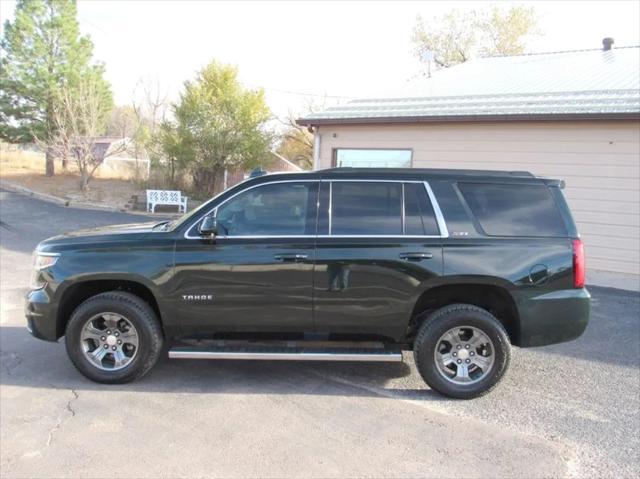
(578, 264)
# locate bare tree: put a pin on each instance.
(123, 122)
(296, 142)
(150, 106)
(150, 103)
(79, 119)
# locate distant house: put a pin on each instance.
(118, 157)
(572, 115)
(111, 147)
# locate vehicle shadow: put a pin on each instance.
(28, 362)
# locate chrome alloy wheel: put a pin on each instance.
(109, 341)
(464, 355)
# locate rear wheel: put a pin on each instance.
(114, 337)
(462, 351)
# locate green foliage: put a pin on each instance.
(450, 39)
(456, 37)
(504, 31)
(218, 125)
(42, 53)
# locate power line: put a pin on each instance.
(93, 25)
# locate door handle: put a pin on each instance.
(415, 256)
(290, 257)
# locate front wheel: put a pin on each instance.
(462, 351)
(114, 337)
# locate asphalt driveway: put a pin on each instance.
(570, 410)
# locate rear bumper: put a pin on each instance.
(41, 315)
(554, 317)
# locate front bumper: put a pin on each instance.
(41, 315)
(554, 317)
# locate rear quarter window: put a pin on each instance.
(514, 210)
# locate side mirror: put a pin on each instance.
(208, 226)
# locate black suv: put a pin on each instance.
(341, 264)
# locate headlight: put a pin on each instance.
(44, 260)
(41, 261)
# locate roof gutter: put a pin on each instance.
(471, 118)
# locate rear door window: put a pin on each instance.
(366, 208)
(514, 210)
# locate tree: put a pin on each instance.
(456, 37)
(503, 32)
(42, 53)
(150, 108)
(450, 42)
(79, 117)
(296, 141)
(123, 122)
(218, 125)
(296, 146)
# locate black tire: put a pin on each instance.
(139, 313)
(441, 321)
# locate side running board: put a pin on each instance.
(293, 354)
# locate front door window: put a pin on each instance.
(277, 209)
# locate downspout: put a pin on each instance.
(316, 148)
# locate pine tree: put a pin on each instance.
(42, 53)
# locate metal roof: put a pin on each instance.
(585, 84)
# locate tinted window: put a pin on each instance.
(419, 218)
(514, 210)
(270, 210)
(362, 208)
(373, 158)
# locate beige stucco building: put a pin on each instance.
(568, 115)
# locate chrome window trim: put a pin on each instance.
(330, 212)
(376, 236)
(403, 211)
(442, 226)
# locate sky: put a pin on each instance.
(305, 51)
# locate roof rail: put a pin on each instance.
(427, 171)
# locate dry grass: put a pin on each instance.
(27, 169)
(12, 161)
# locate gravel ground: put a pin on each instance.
(570, 410)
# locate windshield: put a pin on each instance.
(187, 216)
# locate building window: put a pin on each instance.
(371, 158)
